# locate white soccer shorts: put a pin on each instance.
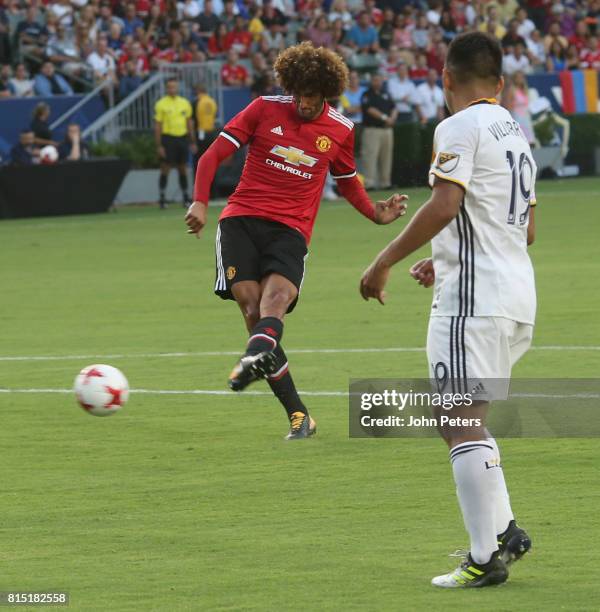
(475, 349)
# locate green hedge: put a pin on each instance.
(138, 148)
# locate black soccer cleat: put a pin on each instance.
(301, 426)
(251, 368)
(514, 543)
(162, 203)
(474, 575)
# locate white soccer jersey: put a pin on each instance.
(480, 259)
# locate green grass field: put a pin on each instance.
(194, 502)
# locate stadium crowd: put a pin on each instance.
(55, 47)
(47, 47)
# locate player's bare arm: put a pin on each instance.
(429, 220)
(531, 226)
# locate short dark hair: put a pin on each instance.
(475, 56)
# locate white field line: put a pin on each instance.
(231, 394)
(400, 349)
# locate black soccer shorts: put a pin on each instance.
(177, 149)
(250, 248)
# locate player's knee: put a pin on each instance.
(277, 299)
(251, 313)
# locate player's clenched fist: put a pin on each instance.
(195, 218)
(389, 210)
(423, 272)
(373, 281)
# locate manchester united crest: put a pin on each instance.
(323, 143)
(230, 272)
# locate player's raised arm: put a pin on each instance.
(343, 170)
(233, 136)
(429, 220)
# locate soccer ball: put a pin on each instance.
(101, 390)
(48, 155)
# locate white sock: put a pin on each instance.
(504, 513)
(476, 477)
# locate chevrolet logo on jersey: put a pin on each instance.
(294, 156)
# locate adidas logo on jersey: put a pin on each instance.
(277, 130)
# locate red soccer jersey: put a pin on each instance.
(288, 160)
(229, 73)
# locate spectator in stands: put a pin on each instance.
(106, 18)
(230, 10)
(590, 54)
(31, 33)
(272, 38)
(430, 99)
(207, 21)
(351, 98)
(102, 63)
(512, 36)
(447, 26)
(319, 32)
(386, 30)
(63, 11)
(536, 50)
(525, 26)
(580, 36)
(405, 37)
(217, 43)
(115, 40)
(131, 21)
(188, 9)
(138, 58)
(48, 82)
(572, 60)
(6, 90)
(419, 69)
(239, 39)
(420, 34)
(40, 126)
(155, 23)
(20, 84)
(516, 61)
(25, 153)
(379, 117)
(129, 78)
(362, 37)
(234, 74)
(555, 60)
(436, 56)
(516, 99)
(492, 24)
(506, 9)
(434, 14)
(175, 138)
(339, 10)
(272, 14)
(64, 52)
(338, 39)
(403, 93)
(255, 25)
(554, 36)
(73, 148)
